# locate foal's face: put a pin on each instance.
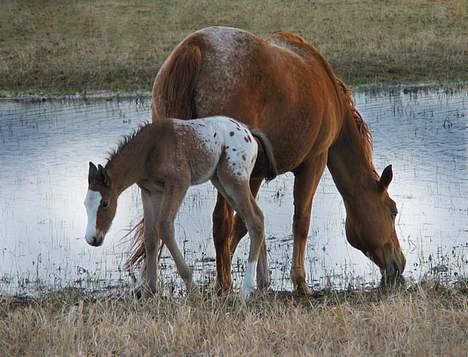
(370, 227)
(100, 203)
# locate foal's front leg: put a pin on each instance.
(151, 205)
(171, 201)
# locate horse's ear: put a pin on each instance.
(386, 178)
(92, 172)
(104, 175)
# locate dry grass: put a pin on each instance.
(60, 45)
(420, 321)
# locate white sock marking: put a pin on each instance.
(249, 279)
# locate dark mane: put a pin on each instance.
(123, 143)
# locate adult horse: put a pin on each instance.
(287, 89)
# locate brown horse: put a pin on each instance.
(287, 89)
(165, 158)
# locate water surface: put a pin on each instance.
(44, 152)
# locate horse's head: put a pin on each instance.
(100, 203)
(370, 227)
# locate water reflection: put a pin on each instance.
(44, 154)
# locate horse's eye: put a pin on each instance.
(105, 204)
(394, 213)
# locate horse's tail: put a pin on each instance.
(266, 150)
(174, 86)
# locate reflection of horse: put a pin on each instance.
(164, 159)
(287, 89)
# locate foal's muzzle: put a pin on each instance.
(96, 240)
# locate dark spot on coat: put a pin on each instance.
(231, 133)
(243, 157)
(234, 149)
(214, 136)
(238, 173)
(246, 139)
(238, 128)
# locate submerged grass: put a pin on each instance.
(67, 46)
(421, 320)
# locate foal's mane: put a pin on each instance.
(125, 140)
(342, 91)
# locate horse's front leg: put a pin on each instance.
(222, 229)
(151, 204)
(171, 201)
(307, 177)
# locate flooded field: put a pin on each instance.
(44, 152)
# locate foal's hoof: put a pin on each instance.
(142, 292)
(246, 291)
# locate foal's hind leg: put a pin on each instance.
(306, 179)
(263, 274)
(240, 197)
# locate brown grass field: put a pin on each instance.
(424, 320)
(59, 46)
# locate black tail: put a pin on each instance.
(265, 150)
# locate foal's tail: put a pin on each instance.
(137, 251)
(269, 168)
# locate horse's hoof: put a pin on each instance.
(302, 290)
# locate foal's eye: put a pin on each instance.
(105, 204)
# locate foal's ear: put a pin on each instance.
(386, 178)
(92, 173)
(104, 175)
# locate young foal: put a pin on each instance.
(164, 159)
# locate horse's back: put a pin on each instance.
(280, 86)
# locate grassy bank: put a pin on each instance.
(421, 321)
(67, 46)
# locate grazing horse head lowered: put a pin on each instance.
(164, 159)
(287, 89)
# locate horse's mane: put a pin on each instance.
(342, 91)
(125, 140)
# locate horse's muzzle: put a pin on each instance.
(96, 240)
(392, 274)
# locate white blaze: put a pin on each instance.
(92, 202)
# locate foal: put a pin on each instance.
(164, 159)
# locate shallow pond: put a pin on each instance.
(44, 152)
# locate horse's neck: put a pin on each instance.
(349, 162)
(127, 166)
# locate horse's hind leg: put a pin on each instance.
(222, 228)
(240, 197)
(306, 179)
(263, 274)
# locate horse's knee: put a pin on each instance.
(301, 226)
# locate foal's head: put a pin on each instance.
(100, 203)
(370, 227)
